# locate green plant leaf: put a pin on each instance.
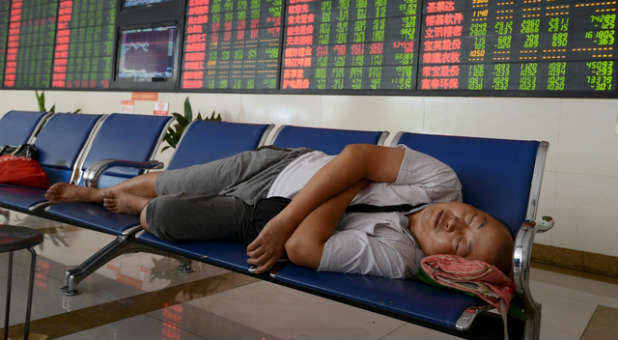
(165, 148)
(77, 111)
(170, 141)
(40, 99)
(53, 109)
(199, 116)
(188, 110)
(181, 120)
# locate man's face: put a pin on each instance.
(459, 229)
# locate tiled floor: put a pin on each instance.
(143, 296)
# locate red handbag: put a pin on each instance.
(24, 171)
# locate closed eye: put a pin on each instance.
(459, 247)
(482, 223)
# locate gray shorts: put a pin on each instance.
(247, 175)
(215, 201)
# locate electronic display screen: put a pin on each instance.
(84, 44)
(529, 46)
(550, 48)
(147, 54)
(5, 7)
(350, 45)
(30, 44)
(134, 3)
(232, 44)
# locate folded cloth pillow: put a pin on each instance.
(22, 171)
(476, 277)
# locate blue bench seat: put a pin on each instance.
(502, 177)
(19, 127)
(202, 141)
(408, 299)
(330, 141)
(230, 255)
(120, 136)
(93, 216)
(59, 144)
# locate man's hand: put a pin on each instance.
(268, 246)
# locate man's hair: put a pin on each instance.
(504, 259)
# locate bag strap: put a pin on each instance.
(17, 150)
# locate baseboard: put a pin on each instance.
(576, 260)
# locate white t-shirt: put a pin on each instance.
(377, 243)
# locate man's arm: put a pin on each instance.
(355, 163)
(305, 245)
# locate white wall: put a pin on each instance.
(580, 184)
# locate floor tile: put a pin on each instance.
(551, 285)
(205, 324)
(564, 318)
(602, 325)
(409, 331)
(291, 314)
(135, 328)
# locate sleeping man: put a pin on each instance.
(245, 198)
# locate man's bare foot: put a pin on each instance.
(124, 203)
(66, 192)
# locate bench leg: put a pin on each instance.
(73, 277)
(123, 244)
(532, 328)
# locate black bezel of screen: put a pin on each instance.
(139, 17)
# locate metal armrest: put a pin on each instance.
(522, 258)
(92, 174)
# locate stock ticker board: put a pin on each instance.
(405, 47)
(84, 44)
(30, 43)
(233, 45)
(528, 45)
(350, 45)
(5, 7)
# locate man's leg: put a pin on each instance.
(142, 185)
(211, 178)
(197, 218)
(121, 202)
(221, 176)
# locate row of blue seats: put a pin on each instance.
(500, 176)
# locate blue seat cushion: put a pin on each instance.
(93, 216)
(330, 141)
(409, 298)
(206, 141)
(60, 142)
(19, 197)
(231, 255)
(127, 137)
(17, 126)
